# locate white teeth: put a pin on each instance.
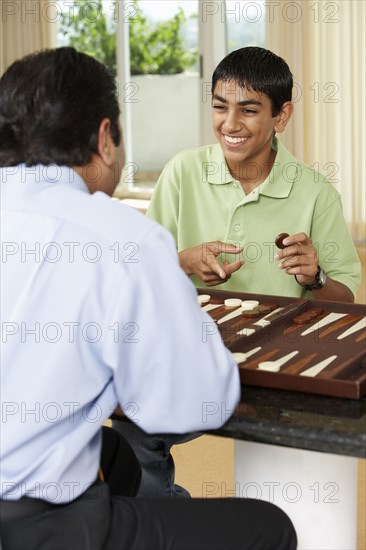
(230, 139)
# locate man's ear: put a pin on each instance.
(105, 145)
(284, 116)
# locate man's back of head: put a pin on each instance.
(51, 106)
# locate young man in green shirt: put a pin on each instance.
(243, 191)
(226, 203)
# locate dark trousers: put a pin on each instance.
(97, 521)
(156, 461)
(101, 519)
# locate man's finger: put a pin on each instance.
(297, 238)
(215, 267)
(219, 247)
(231, 268)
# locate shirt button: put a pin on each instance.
(235, 185)
(237, 227)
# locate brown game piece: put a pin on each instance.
(301, 320)
(268, 305)
(307, 316)
(310, 315)
(218, 301)
(251, 313)
(264, 308)
(315, 311)
(279, 240)
(304, 317)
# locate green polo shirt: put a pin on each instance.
(198, 200)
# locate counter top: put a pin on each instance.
(304, 421)
(292, 419)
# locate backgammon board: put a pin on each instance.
(294, 344)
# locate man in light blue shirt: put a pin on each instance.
(89, 295)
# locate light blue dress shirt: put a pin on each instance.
(95, 311)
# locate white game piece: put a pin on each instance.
(315, 369)
(262, 323)
(246, 331)
(232, 302)
(247, 305)
(241, 357)
(274, 366)
(270, 366)
(203, 299)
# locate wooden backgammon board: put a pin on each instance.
(293, 344)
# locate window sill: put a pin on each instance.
(134, 193)
(137, 203)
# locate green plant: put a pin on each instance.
(86, 30)
(154, 49)
(159, 49)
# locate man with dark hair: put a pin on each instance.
(232, 199)
(39, 127)
(89, 321)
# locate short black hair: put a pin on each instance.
(260, 70)
(51, 106)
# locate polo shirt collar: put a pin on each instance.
(217, 169)
(279, 182)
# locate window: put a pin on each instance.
(245, 24)
(90, 27)
(161, 110)
(153, 46)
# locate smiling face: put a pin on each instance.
(244, 127)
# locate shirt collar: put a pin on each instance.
(279, 182)
(217, 170)
(285, 171)
(40, 174)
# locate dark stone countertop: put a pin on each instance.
(304, 421)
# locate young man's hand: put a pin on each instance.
(299, 257)
(201, 260)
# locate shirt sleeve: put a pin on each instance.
(164, 204)
(336, 251)
(175, 374)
